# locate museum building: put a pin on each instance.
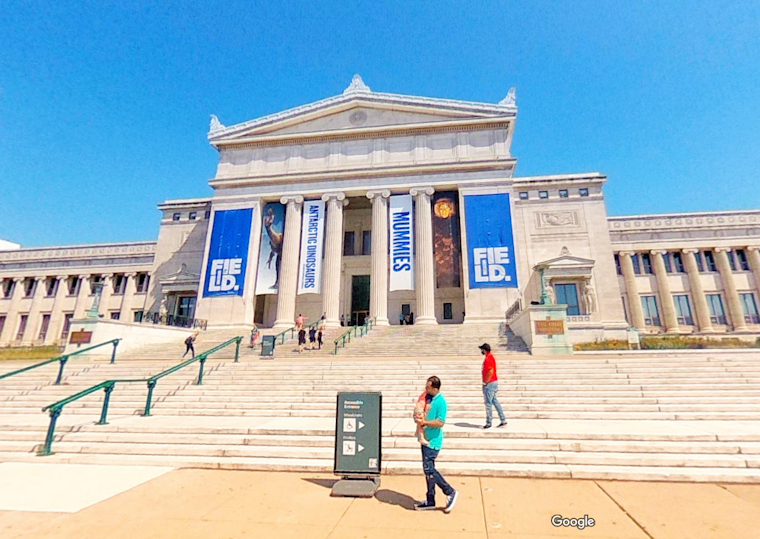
(381, 205)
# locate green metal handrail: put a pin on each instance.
(358, 331)
(56, 408)
(282, 335)
(63, 359)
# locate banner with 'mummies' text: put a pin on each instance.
(401, 243)
(312, 236)
(490, 243)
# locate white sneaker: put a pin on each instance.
(451, 502)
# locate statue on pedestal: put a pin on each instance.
(589, 297)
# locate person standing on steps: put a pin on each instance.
(433, 422)
(491, 387)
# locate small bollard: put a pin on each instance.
(113, 353)
(151, 385)
(104, 412)
(63, 361)
(200, 374)
(47, 449)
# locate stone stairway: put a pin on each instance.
(688, 417)
(420, 341)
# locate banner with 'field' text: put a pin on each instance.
(490, 243)
(228, 253)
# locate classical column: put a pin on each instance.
(333, 257)
(84, 291)
(378, 300)
(125, 312)
(669, 316)
(634, 302)
(105, 295)
(34, 320)
(729, 287)
(56, 313)
(697, 292)
(11, 317)
(291, 243)
(424, 275)
(753, 256)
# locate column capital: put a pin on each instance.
(337, 195)
(753, 247)
(721, 249)
(424, 190)
(295, 199)
(131, 274)
(19, 279)
(626, 253)
(61, 277)
(82, 277)
(107, 276)
(378, 193)
(38, 279)
(690, 250)
(658, 252)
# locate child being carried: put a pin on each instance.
(420, 410)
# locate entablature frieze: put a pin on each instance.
(686, 221)
(86, 252)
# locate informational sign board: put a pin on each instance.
(358, 428)
(80, 337)
(633, 336)
(550, 327)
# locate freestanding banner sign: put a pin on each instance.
(490, 243)
(402, 243)
(268, 278)
(312, 236)
(228, 253)
(358, 438)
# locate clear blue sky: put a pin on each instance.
(104, 105)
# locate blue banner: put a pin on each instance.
(490, 244)
(228, 253)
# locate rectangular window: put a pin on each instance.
(115, 315)
(651, 315)
(29, 286)
(583, 192)
(731, 260)
(176, 217)
(44, 327)
(142, 283)
(678, 262)
(717, 315)
(192, 215)
(366, 242)
(94, 279)
(683, 309)
(8, 286)
(447, 314)
(22, 327)
(138, 316)
(700, 262)
(636, 264)
(567, 294)
(543, 194)
(646, 262)
(523, 195)
(710, 261)
(741, 257)
(73, 285)
(66, 325)
(51, 285)
(750, 308)
(348, 243)
(119, 281)
(563, 193)
(2, 324)
(617, 265)
(668, 263)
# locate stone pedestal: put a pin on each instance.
(544, 329)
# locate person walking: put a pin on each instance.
(312, 337)
(433, 423)
(189, 345)
(319, 338)
(401, 318)
(491, 387)
(254, 336)
(301, 339)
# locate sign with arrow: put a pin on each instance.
(358, 427)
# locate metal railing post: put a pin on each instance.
(104, 412)
(113, 353)
(151, 385)
(200, 374)
(47, 449)
(237, 350)
(63, 361)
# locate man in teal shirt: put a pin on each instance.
(433, 423)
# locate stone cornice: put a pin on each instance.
(355, 99)
(184, 203)
(364, 133)
(556, 180)
(79, 251)
(710, 220)
(364, 172)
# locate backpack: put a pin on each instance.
(189, 341)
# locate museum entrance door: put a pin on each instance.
(359, 299)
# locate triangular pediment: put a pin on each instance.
(181, 277)
(566, 262)
(358, 110)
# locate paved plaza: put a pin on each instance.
(213, 504)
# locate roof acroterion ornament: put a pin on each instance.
(216, 125)
(357, 85)
(510, 100)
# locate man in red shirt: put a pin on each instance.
(491, 387)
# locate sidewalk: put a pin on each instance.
(212, 504)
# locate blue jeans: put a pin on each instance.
(433, 476)
(489, 395)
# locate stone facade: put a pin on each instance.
(356, 150)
